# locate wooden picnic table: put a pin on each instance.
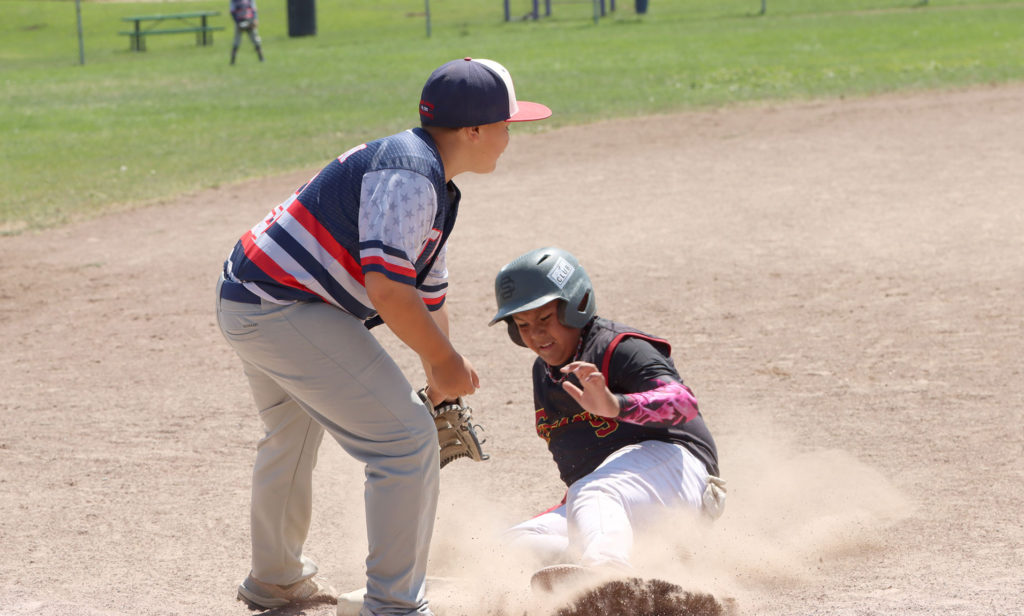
(196, 21)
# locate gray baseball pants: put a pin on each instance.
(313, 367)
(254, 36)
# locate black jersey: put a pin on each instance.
(632, 363)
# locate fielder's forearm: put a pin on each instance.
(440, 317)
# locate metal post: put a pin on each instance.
(596, 14)
(81, 43)
(428, 18)
(507, 16)
(764, 6)
(536, 10)
(547, 8)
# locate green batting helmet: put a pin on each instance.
(538, 277)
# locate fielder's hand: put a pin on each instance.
(456, 434)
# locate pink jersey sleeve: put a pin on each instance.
(668, 404)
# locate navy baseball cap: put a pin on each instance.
(472, 92)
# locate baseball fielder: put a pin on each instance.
(362, 242)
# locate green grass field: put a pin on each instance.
(127, 128)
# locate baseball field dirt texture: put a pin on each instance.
(842, 282)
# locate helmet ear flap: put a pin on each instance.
(577, 316)
(564, 315)
(513, 332)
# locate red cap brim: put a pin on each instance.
(530, 111)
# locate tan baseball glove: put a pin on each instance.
(456, 434)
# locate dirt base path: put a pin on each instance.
(843, 284)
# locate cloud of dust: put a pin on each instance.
(477, 574)
(786, 511)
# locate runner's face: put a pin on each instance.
(545, 335)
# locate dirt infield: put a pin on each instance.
(842, 281)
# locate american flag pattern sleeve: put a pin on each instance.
(397, 207)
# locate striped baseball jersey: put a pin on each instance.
(383, 206)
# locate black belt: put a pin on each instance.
(235, 292)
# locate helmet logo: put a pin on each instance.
(507, 287)
(560, 273)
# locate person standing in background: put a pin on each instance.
(246, 20)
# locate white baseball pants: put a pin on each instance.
(632, 486)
